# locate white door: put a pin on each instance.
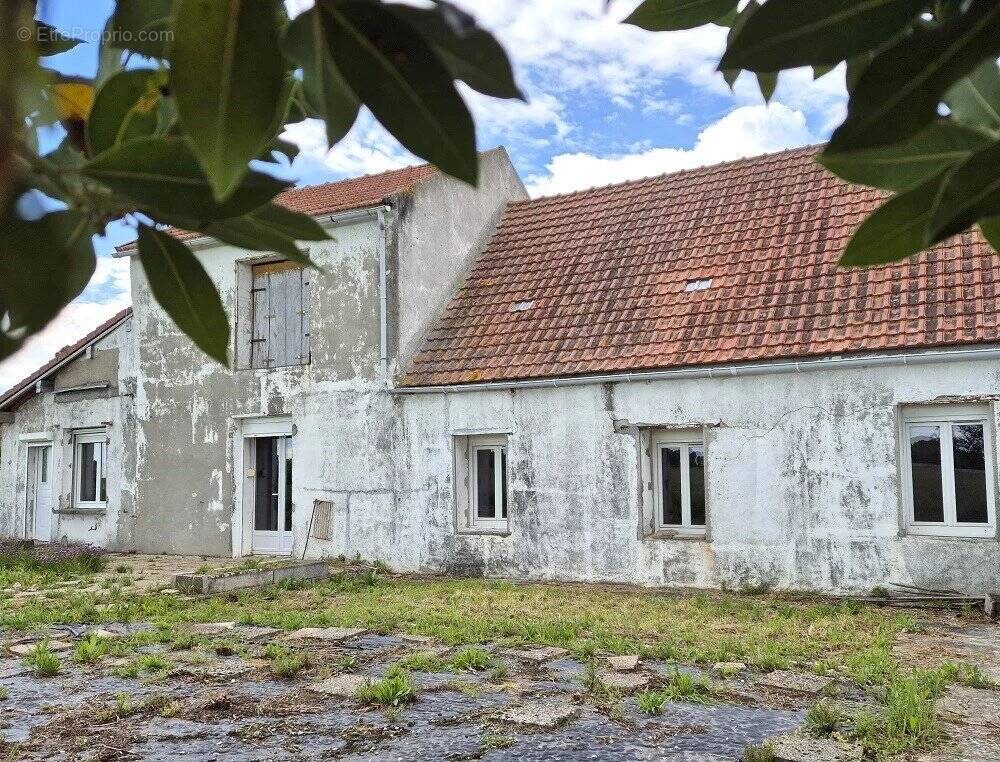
(40, 463)
(272, 494)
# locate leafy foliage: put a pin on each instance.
(923, 118)
(187, 134)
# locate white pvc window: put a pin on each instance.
(90, 470)
(948, 482)
(482, 476)
(679, 484)
(488, 483)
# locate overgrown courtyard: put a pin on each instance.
(102, 660)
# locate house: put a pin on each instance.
(665, 382)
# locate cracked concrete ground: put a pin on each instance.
(225, 690)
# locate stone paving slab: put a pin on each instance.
(211, 628)
(342, 686)
(626, 682)
(333, 634)
(541, 714)
(798, 683)
(538, 655)
(23, 649)
(800, 747)
(625, 663)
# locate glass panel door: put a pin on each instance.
(272, 515)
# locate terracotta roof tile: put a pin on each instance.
(605, 272)
(63, 353)
(342, 195)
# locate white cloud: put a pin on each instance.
(108, 292)
(745, 131)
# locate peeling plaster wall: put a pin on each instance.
(59, 414)
(802, 483)
(190, 410)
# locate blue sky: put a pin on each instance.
(606, 103)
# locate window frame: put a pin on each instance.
(80, 438)
(466, 450)
(945, 417)
(684, 440)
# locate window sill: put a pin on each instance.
(485, 531)
(669, 534)
(925, 533)
(80, 511)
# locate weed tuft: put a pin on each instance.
(823, 718)
(394, 690)
(42, 660)
(289, 665)
(471, 660)
(90, 650)
(762, 753)
(423, 662)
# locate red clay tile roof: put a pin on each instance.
(340, 196)
(63, 354)
(594, 282)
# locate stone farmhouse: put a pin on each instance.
(667, 381)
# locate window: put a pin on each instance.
(948, 462)
(278, 315)
(90, 469)
(678, 482)
(481, 491)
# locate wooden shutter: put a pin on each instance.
(280, 315)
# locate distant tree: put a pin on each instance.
(187, 95)
(923, 115)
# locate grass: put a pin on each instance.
(4, 693)
(394, 690)
(823, 718)
(42, 660)
(768, 631)
(155, 665)
(680, 686)
(471, 660)
(90, 649)
(762, 753)
(423, 662)
(289, 665)
(31, 567)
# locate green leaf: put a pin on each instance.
(970, 192)
(767, 82)
(896, 230)
(471, 54)
(183, 288)
(856, 66)
(294, 225)
(822, 70)
(900, 90)
(927, 154)
(47, 263)
(784, 34)
(286, 148)
(975, 100)
(52, 42)
(161, 174)
(143, 26)
(228, 78)
(109, 59)
(400, 78)
(672, 15)
(125, 108)
(737, 18)
(248, 233)
(990, 228)
(325, 89)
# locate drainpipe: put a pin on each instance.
(383, 298)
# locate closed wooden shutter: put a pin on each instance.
(280, 319)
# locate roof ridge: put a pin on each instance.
(678, 173)
(355, 178)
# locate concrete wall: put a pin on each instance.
(191, 410)
(58, 414)
(440, 229)
(802, 482)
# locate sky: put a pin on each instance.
(606, 102)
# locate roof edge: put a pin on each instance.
(64, 356)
